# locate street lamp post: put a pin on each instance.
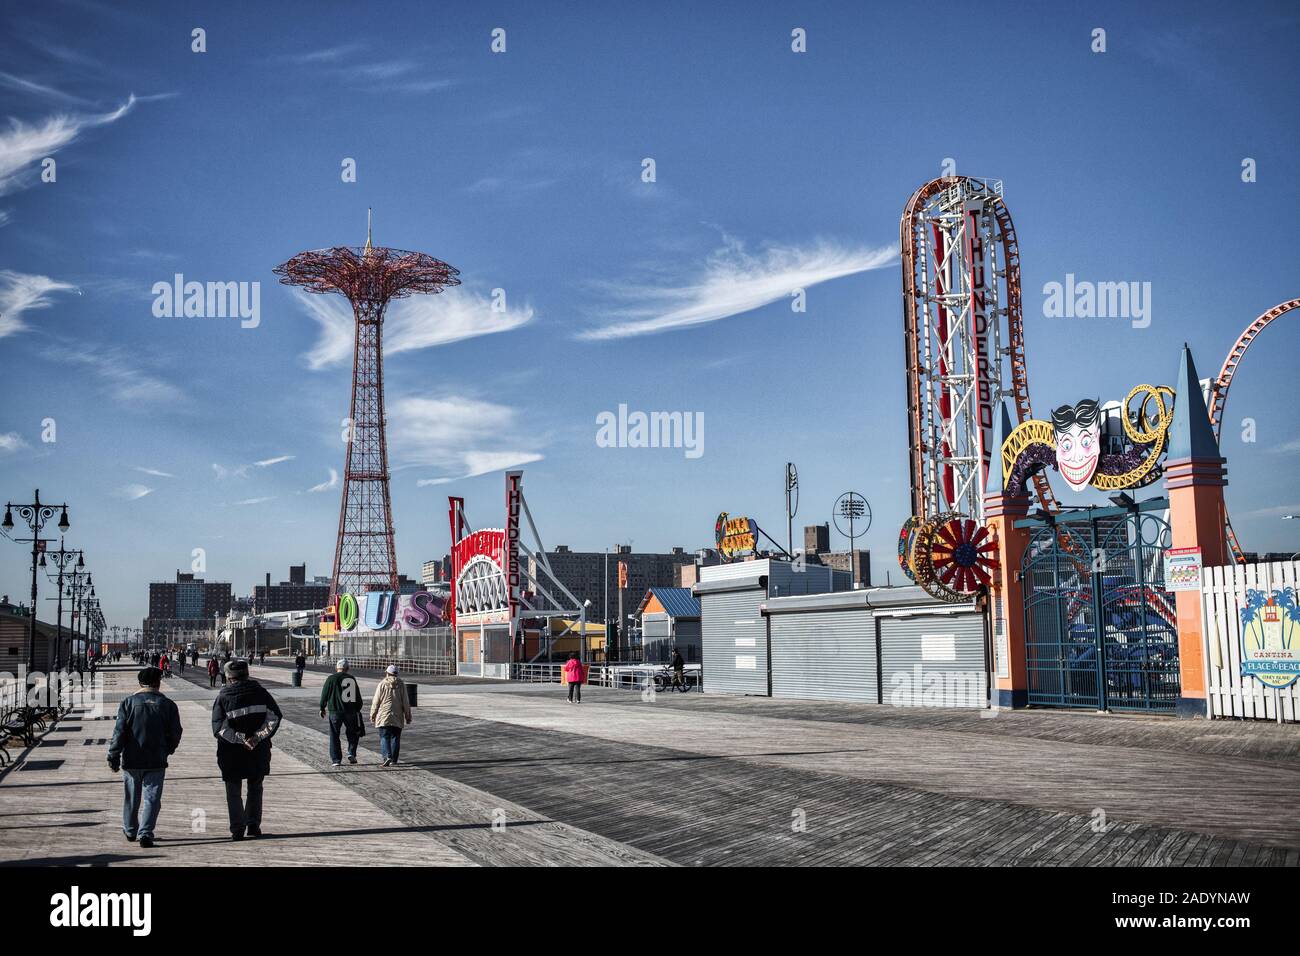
(78, 584)
(36, 515)
(62, 560)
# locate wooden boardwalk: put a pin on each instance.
(501, 774)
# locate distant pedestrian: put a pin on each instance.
(340, 698)
(164, 664)
(181, 660)
(194, 657)
(679, 669)
(261, 656)
(573, 675)
(300, 665)
(156, 660)
(213, 668)
(390, 711)
(244, 719)
(147, 732)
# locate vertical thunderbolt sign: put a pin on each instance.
(514, 485)
(977, 258)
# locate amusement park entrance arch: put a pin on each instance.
(1101, 630)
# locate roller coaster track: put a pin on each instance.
(1218, 398)
(923, 457)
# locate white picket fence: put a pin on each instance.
(1223, 595)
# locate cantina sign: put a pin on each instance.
(736, 537)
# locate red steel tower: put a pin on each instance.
(364, 558)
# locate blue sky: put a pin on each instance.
(523, 170)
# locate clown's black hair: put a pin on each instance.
(1084, 414)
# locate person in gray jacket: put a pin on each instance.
(147, 732)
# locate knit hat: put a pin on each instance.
(341, 664)
(237, 669)
(392, 668)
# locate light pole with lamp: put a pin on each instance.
(63, 560)
(36, 515)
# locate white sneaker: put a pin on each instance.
(336, 764)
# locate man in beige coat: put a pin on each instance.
(390, 711)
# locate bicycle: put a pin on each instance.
(668, 679)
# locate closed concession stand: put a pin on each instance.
(894, 646)
(933, 656)
(823, 647)
(733, 630)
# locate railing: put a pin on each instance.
(536, 673)
(618, 676)
(432, 666)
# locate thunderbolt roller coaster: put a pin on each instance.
(965, 352)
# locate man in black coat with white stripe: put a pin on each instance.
(244, 719)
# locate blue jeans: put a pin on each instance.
(390, 742)
(339, 723)
(142, 801)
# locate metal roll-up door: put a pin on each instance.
(824, 655)
(734, 636)
(933, 660)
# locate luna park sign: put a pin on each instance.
(387, 610)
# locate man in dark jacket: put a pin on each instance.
(244, 718)
(147, 732)
(341, 698)
(300, 664)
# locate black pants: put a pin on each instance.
(244, 814)
(575, 689)
(348, 725)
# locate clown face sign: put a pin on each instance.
(1077, 429)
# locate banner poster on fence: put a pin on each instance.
(1270, 637)
(1183, 569)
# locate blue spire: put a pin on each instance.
(1001, 429)
(1190, 433)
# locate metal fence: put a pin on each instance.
(431, 644)
(433, 666)
(620, 677)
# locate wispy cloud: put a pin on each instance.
(32, 88)
(23, 144)
(253, 501)
(120, 373)
(331, 54)
(326, 485)
(154, 471)
(1272, 512)
(20, 292)
(485, 462)
(459, 436)
(732, 282)
(241, 471)
(133, 492)
(420, 322)
(347, 62)
(1286, 448)
(11, 441)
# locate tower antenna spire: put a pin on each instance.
(369, 244)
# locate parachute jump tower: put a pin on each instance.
(369, 277)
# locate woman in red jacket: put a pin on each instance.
(574, 673)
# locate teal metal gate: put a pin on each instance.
(1101, 631)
